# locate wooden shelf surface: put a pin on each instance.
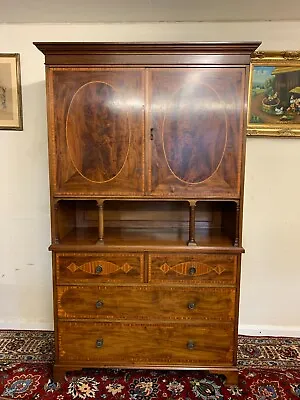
(146, 239)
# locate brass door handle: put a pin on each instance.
(151, 134)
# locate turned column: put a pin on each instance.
(192, 224)
(56, 221)
(100, 222)
(237, 225)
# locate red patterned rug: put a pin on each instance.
(269, 370)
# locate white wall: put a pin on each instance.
(271, 266)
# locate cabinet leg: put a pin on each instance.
(232, 377)
(59, 373)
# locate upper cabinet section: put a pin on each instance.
(149, 120)
(96, 118)
(197, 131)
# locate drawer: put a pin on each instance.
(99, 267)
(213, 269)
(125, 344)
(146, 303)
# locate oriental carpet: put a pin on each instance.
(269, 369)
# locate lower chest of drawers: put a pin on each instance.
(146, 310)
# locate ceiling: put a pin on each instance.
(89, 11)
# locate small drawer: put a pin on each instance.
(99, 267)
(133, 344)
(213, 269)
(146, 303)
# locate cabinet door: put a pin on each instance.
(196, 131)
(96, 118)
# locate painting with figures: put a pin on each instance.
(275, 95)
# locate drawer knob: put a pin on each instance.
(191, 305)
(99, 269)
(99, 304)
(191, 345)
(99, 343)
(192, 270)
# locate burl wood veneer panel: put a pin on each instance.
(196, 116)
(96, 124)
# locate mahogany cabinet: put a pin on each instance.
(146, 157)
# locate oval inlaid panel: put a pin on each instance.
(97, 131)
(194, 133)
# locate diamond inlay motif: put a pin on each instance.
(201, 269)
(219, 269)
(106, 267)
(73, 267)
(165, 268)
(126, 268)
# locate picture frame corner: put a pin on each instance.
(11, 105)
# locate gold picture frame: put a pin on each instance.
(274, 94)
(10, 92)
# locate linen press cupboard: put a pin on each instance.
(146, 156)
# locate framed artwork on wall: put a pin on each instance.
(10, 92)
(274, 94)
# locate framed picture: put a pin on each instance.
(10, 92)
(274, 94)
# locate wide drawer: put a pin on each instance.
(146, 303)
(126, 344)
(216, 269)
(99, 267)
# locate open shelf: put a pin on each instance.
(146, 223)
(145, 237)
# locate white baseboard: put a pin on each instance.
(249, 330)
(25, 325)
(269, 330)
